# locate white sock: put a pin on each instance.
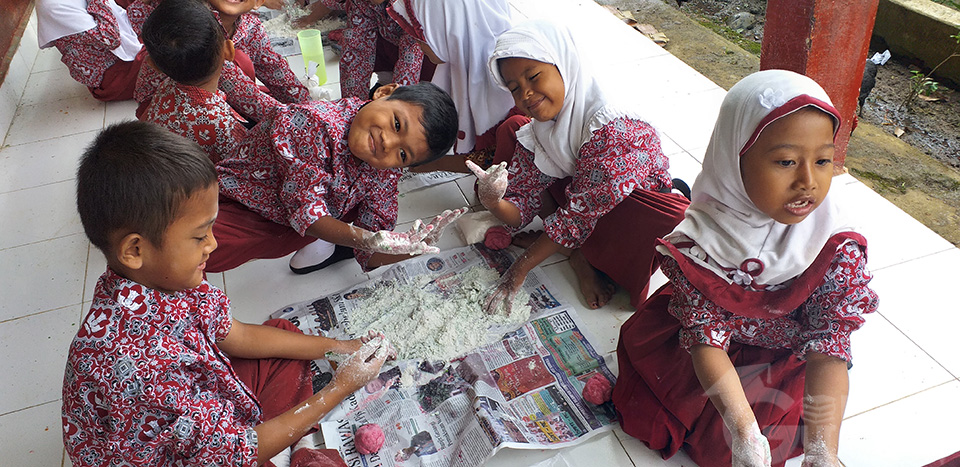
(314, 253)
(305, 442)
(282, 459)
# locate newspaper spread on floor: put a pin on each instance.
(522, 390)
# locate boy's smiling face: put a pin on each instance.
(388, 134)
(234, 8)
(178, 264)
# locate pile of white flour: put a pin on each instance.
(427, 326)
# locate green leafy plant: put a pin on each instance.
(922, 83)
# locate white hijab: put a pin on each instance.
(596, 91)
(61, 18)
(462, 33)
(722, 220)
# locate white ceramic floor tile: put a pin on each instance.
(9, 100)
(35, 345)
(32, 437)
(687, 117)
(65, 117)
(263, 286)
(50, 86)
(685, 167)
(666, 76)
(49, 59)
(18, 74)
(887, 366)
(643, 456)
(39, 213)
(120, 111)
(42, 276)
(892, 235)
(28, 46)
(429, 202)
(466, 184)
(96, 266)
(914, 297)
(602, 449)
(42, 162)
(914, 431)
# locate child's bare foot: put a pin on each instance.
(596, 287)
(525, 239)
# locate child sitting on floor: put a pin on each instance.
(97, 44)
(253, 56)
(329, 170)
(459, 35)
(750, 340)
(585, 129)
(368, 19)
(160, 373)
(187, 44)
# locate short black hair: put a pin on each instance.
(184, 40)
(134, 177)
(439, 119)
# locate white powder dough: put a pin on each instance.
(427, 326)
(282, 24)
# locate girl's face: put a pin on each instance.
(787, 171)
(537, 87)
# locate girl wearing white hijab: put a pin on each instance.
(590, 141)
(459, 35)
(97, 44)
(766, 280)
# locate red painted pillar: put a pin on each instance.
(827, 40)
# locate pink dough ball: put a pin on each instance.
(369, 438)
(597, 390)
(497, 238)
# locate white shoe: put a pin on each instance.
(308, 258)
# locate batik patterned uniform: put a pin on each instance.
(366, 21)
(146, 384)
(298, 168)
(88, 54)
(253, 50)
(206, 117)
(822, 324)
(620, 157)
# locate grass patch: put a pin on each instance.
(729, 34)
(881, 183)
(949, 3)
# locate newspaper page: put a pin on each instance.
(521, 390)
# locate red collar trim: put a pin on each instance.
(762, 304)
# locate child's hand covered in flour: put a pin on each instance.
(491, 183)
(440, 223)
(501, 300)
(751, 450)
(410, 242)
(362, 366)
(371, 335)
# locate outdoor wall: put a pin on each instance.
(921, 29)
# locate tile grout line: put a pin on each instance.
(935, 386)
(918, 346)
(910, 260)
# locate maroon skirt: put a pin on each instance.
(660, 400)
